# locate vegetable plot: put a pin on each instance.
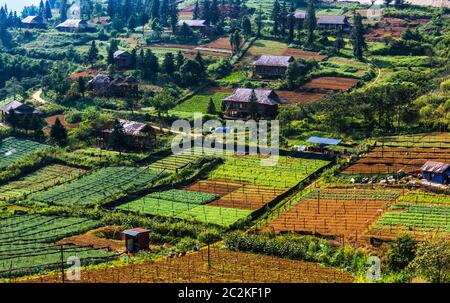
(13, 150)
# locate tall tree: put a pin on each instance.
(275, 15)
(117, 137)
(63, 11)
(246, 27)
(41, 9)
(164, 12)
(168, 64)
(357, 37)
(311, 21)
(48, 10)
(81, 85)
(259, 21)
(214, 12)
(173, 16)
(235, 42)
(92, 55)
(291, 27)
(155, 10)
(58, 133)
(206, 11)
(211, 110)
(196, 13)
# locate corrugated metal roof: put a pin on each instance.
(134, 231)
(300, 15)
(270, 60)
(325, 141)
(263, 96)
(435, 167)
(332, 19)
(194, 23)
(11, 105)
(132, 127)
(33, 19)
(118, 54)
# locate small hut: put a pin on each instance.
(136, 239)
(122, 59)
(436, 172)
(34, 22)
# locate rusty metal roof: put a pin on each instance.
(194, 23)
(132, 127)
(269, 60)
(435, 167)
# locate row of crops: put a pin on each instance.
(99, 186)
(27, 243)
(353, 194)
(417, 216)
(425, 197)
(39, 180)
(188, 205)
(14, 149)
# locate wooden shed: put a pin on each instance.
(136, 239)
(436, 172)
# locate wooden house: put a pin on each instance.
(238, 105)
(34, 22)
(22, 111)
(122, 59)
(271, 66)
(136, 239)
(107, 86)
(436, 172)
(299, 17)
(197, 25)
(76, 25)
(331, 22)
(138, 136)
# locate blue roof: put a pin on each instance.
(325, 141)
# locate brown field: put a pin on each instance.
(221, 43)
(93, 240)
(226, 266)
(130, 41)
(393, 27)
(296, 97)
(346, 219)
(390, 160)
(306, 55)
(52, 119)
(220, 89)
(237, 195)
(330, 83)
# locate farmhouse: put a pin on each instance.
(197, 25)
(136, 239)
(75, 25)
(238, 105)
(330, 22)
(107, 86)
(272, 66)
(300, 17)
(34, 22)
(21, 110)
(122, 59)
(138, 136)
(437, 172)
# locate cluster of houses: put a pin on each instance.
(325, 22)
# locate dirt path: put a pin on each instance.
(37, 97)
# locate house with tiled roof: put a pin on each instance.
(333, 22)
(271, 66)
(22, 111)
(138, 135)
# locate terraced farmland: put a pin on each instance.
(27, 243)
(14, 149)
(174, 162)
(226, 266)
(185, 205)
(99, 186)
(343, 213)
(49, 176)
(425, 197)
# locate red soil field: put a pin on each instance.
(393, 27)
(306, 55)
(346, 219)
(390, 160)
(130, 41)
(226, 266)
(91, 239)
(89, 73)
(51, 120)
(296, 97)
(219, 89)
(330, 83)
(221, 43)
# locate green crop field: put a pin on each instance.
(174, 162)
(13, 149)
(99, 186)
(27, 243)
(199, 103)
(425, 197)
(185, 205)
(287, 172)
(417, 216)
(39, 180)
(352, 194)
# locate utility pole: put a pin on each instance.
(62, 264)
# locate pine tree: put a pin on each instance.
(357, 37)
(92, 55)
(211, 110)
(196, 13)
(63, 11)
(291, 25)
(246, 26)
(168, 64)
(81, 86)
(164, 12)
(117, 137)
(311, 21)
(133, 59)
(214, 12)
(179, 59)
(155, 10)
(48, 10)
(259, 21)
(283, 18)
(174, 16)
(339, 43)
(206, 12)
(292, 74)
(58, 133)
(199, 59)
(275, 15)
(112, 8)
(253, 104)
(41, 9)
(235, 42)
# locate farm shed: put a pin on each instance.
(330, 22)
(136, 239)
(122, 59)
(107, 86)
(138, 136)
(322, 142)
(272, 66)
(437, 172)
(238, 104)
(22, 111)
(34, 22)
(75, 25)
(197, 25)
(300, 17)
